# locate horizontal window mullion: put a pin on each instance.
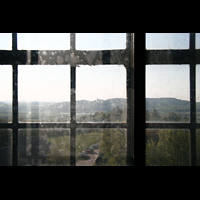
(13, 57)
(59, 57)
(171, 56)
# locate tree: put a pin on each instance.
(174, 117)
(172, 149)
(155, 115)
(112, 147)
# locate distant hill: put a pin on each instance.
(163, 105)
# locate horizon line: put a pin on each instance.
(96, 100)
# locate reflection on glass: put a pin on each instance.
(44, 93)
(198, 93)
(101, 94)
(44, 41)
(167, 40)
(100, 41)
(167, 147)
(44, 147)
(5, 147)
(101, 147)
(6, 93)
(167, 93)
(5, 41)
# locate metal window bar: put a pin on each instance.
(191, 57)
(20, 57)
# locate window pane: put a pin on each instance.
(44, 93)
(197, 40)
(6, 93)
(44, 147)
(5, 147)
(167, 93)
(101, 93)
(5, 41)
(198, 93)
(100, 41)
(101, 147)
(167, 148)
(167, 40)
(44, 41)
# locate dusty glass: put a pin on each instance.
(101, 93)
(167, 147)
(198, 93)
(100, 41)
(5, 41)
(44, 93)
(44, 147)
(43, 41)
(167, 93)
(5, 147)
(6, 93)
(167, 40)
(101, 147)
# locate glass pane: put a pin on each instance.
(5, 41)
(167, 93)
(167, 40)
(198, 93)
(44, 147)
(101, 147)
(5, 147)
(44, 93)
(100, 41)
(44, 41)
(197, 40)
(101, 93)
(6, 93)
(167, 148)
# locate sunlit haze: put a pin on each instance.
(51, 83)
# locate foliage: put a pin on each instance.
(112, 147)
(172, 149)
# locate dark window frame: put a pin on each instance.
(17, 57)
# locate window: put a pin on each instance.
(174, 134)
(49, 69)
(28, 133)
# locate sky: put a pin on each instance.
(52, 83)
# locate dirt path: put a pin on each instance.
(89, 162)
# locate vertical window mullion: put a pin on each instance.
(73, 106)
(15, 105)
(139, 99)
(130, 100)
(192, 101)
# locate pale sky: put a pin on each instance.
(52, 83)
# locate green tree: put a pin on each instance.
(172, 149)
(112, 146)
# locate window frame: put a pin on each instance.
(135, 58)
(17, 57)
